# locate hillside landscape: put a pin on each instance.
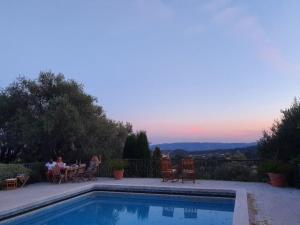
(201, 146)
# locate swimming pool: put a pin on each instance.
(113, 208)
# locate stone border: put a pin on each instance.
(240, 214)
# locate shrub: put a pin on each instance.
(234, 171)
(272, 166)
(11, 171)
(38, 171)
(118, 164)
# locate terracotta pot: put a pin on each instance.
(118, 174)
(277, 179)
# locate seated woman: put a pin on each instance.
(50, 165)
(61, 164)
(94, 163)
(92, 170)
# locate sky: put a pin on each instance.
(181, 70)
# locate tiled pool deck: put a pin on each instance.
(267, 205)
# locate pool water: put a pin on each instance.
(107, 208)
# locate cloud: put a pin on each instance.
(238, 21)
(216, 5)
(191, 31)
(154, 9)
(275, 57)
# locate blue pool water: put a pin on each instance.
(106, 208)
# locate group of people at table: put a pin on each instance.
(61, 171)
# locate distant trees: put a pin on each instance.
(137, 146)
(282, 142)
(53, 116)
(130, 147)
(156, 156)
(156, 153)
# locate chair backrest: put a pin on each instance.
(188, 164)
(56, 170)
(165, 164)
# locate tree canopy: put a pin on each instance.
(282, 142)
(52, 116)
(137, 146)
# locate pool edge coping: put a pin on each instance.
(240, 213)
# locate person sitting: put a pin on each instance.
(61, 164)
(94, 163)
(50, 165)
(92, 170)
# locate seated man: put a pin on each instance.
(50, 165)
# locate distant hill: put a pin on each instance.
(250, 152)
(201, 146)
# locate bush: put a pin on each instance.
(11, 171)
(38, 171)
(118, 164)
(272, 166)
(235, 171)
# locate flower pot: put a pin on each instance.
(118, 174)
(277, 179)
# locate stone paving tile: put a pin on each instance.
(274, 206)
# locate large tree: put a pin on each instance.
(137, 146)
(142, 145)
(53, 116)
(130, 148)
(282, 142)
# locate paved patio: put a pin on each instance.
(268, 205)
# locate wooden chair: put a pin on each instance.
(22, 179)
(167, 171)
(11, 183)
(188, 169)
(91, 173)
(80, 173)
(57, 176)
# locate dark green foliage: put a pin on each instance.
(272, 166)
(156, 156)
(234, 171)
(38, 171)
(142, 145)
(130, 148)
(53, 116)
(283, 140)
(137, 146)
(118, 164)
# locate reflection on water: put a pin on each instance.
(168, 211)
(141, 211)
(103, 210)
(190, 213)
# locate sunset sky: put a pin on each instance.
(181, 70)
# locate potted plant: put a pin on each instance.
(118, 166)
(276, 172)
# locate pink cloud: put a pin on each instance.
(233, 130)
(238, 21)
